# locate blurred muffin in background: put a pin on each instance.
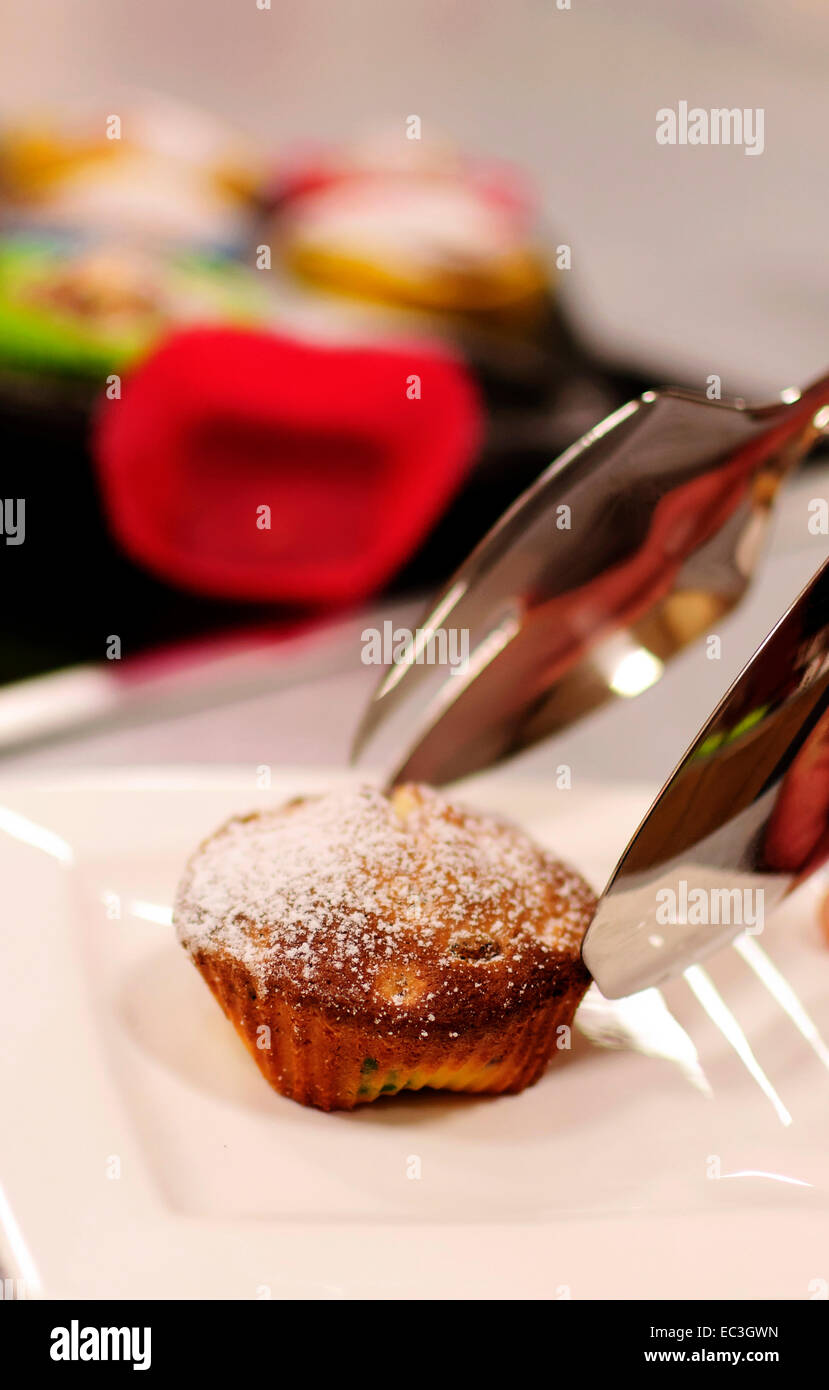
(414, 227)
(113, 230)
(159, 171)
(89, 308)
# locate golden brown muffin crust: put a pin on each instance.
(407, 913)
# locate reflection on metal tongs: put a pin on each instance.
(634, 542)
(631, 545)
(742, 821)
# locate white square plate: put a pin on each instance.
(142, 1155)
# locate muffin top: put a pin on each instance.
(408, 910)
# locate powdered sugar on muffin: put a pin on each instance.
(406, 909)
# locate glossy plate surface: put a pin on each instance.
(143, 1155)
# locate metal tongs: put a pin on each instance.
(628, 547)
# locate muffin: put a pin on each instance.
(363, 944)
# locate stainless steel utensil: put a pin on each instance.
(743, 819)
(634, 542)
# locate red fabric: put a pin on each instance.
(219, 422)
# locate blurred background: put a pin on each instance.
(295, 300)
